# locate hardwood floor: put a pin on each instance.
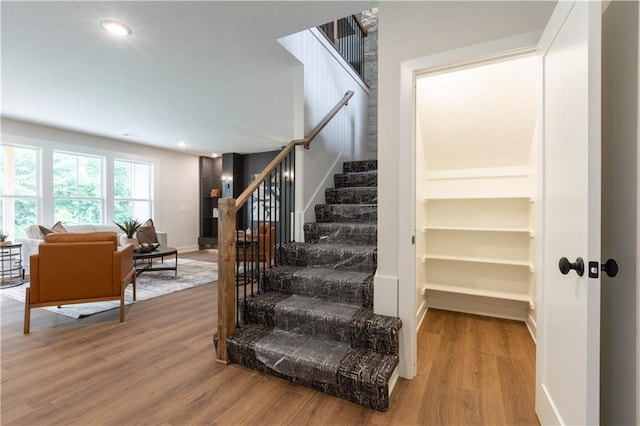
(158, 368)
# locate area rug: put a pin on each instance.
(191, 273)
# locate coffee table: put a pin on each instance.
(143, 261)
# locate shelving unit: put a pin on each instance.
(476, 173)
(210, 177)
(476, 243)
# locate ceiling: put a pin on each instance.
(210, 74)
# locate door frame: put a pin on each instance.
(410, 69)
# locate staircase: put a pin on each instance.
(313, 323)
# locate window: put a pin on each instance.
(77, 188)
(18, 189)
(132, 189)
(40, 184)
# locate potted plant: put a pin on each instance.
(3, 239)
(129, 227)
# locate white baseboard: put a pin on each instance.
(478, 305)
(422, 312)
(393, 380)
(186, 249)
(532, 325)
(298, 231)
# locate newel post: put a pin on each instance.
(226, 275)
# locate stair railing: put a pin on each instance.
(244, 255)
(347, 36)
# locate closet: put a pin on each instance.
(475, 188)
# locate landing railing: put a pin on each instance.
(347, 36)
(266, 222)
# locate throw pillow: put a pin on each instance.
(146, 234)
(55, 228)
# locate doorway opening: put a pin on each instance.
(476, 159)
(476, 153)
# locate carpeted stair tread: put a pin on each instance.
(352, 195)
(308, 315)
(363, 377)
(259, 309)
(360, 213)
(355, 374)
(342, 322)
(380, 333)
(341, 232)
(337, 256)
(326, 283)
(359, 166)
(356, 179)
(301, 356)
(313, 322)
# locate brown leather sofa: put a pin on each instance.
(262, 242)
(79, 268)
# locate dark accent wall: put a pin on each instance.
(242, 168)
(255, 163)
(233, 168)
(210, 177)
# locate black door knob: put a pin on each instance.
(610, 267)
(565, 266)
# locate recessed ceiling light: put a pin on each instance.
(182, 144)
(116, 28)
(215, 155)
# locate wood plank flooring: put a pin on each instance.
(157, 368)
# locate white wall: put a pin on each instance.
(176, 185)
(410, 30)
(327, 77)
(477, 117)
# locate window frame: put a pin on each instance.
(151, 189)
(36, 197)
(44, 171)
(102, 198)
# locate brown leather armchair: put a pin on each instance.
(79, 268)
(262, 241)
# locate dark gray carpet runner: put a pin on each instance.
(314, 323)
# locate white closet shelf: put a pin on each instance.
(496, 294)
(474, 197)
(473, 259)
(478, 229)
(479, 173)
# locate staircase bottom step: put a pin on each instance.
(357, 375)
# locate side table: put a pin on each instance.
(11, 270)
(143, 261)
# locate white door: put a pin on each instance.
(568, 349)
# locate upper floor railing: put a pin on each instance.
(266, 223)
(347, 36)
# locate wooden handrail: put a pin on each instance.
(362, 28)
(228, 207)
(244, 197)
